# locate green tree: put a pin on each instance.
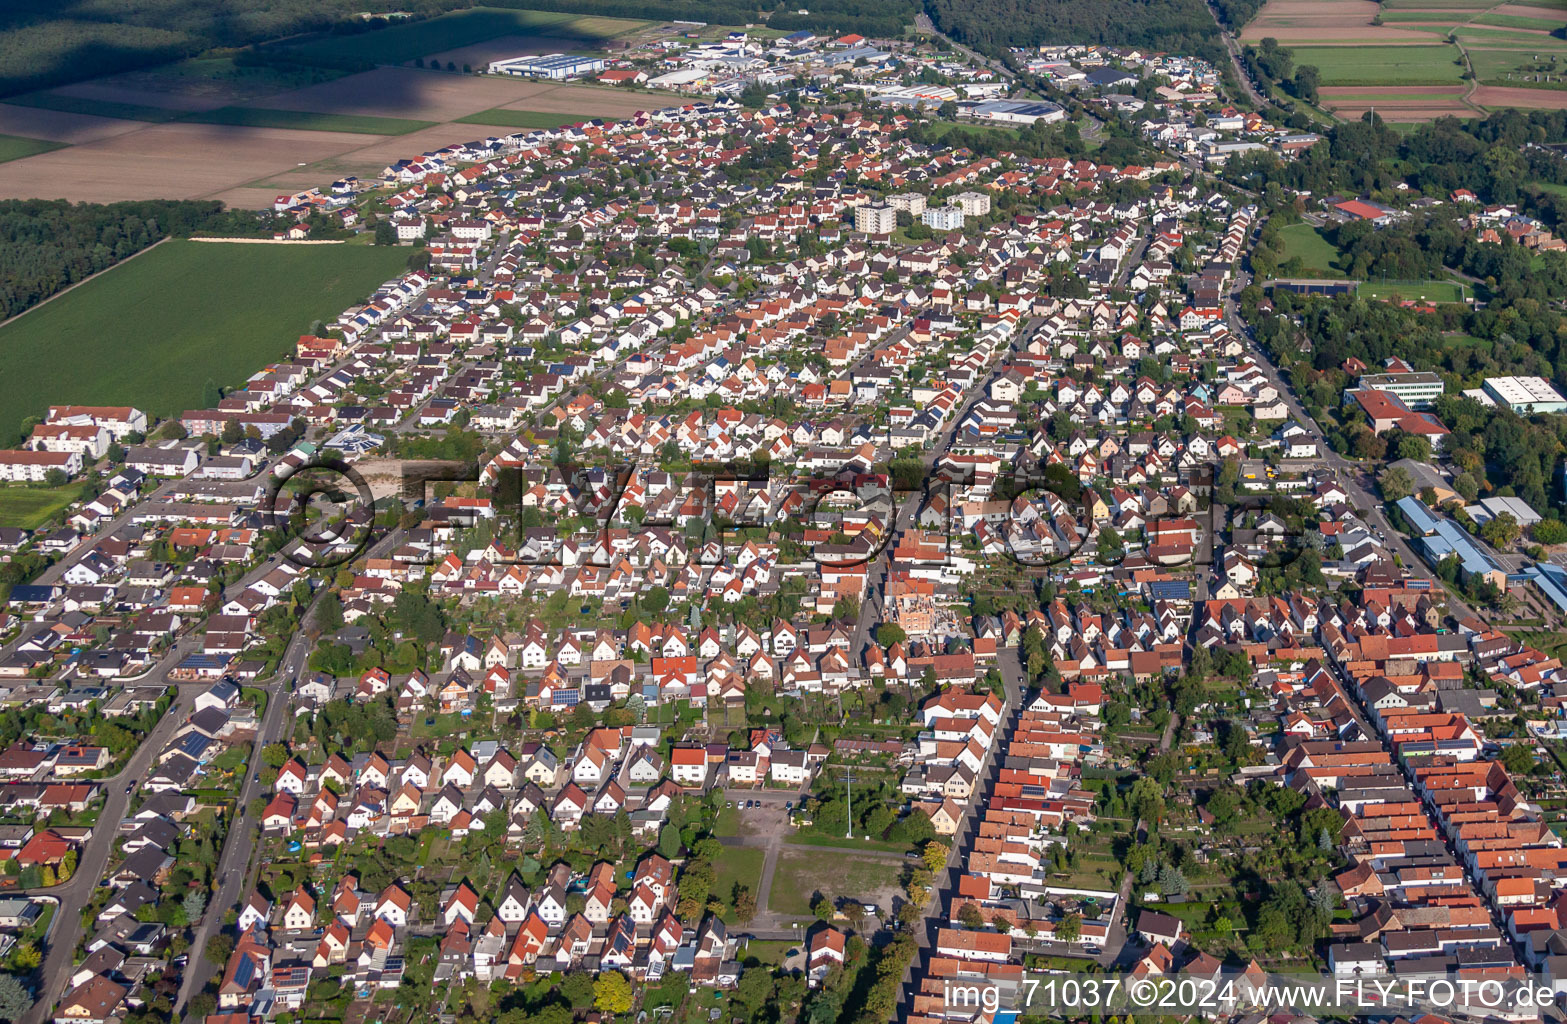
(1396, 483)
(1518, 758)
(329, 612)
(889, 633)
(1070, 928)
(611, 993)
(385, 233)
(15, 1000)
(1501, 531)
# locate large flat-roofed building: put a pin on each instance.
(942, 218)
(1017, 111)
(1417, 389)
(875, 220)
(555, 66)
(1525, 394)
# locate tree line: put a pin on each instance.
(1179, 26)
(49, 245)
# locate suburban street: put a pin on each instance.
(55, 971)
(1356, 480)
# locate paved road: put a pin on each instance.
(1354, 477)
(1233, 48)
(938, 908)
(233, 873)
(234, 867)
(55, 971)
(875, 577)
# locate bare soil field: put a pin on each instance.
(364, 160)
(1346, 21)
(1380, 35)
(588, 101)
(434, 96)
(174, 161)
(105, 90)
(1503, 96)
(1422, 112)
(1359, 91)
(57, 126)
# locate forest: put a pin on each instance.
(1179, 26)
(1499, 451)
(49, 245)
(1489, 157)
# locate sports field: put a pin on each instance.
(152, 331)
(401, 43)
(1317, 254)
(1413, 291)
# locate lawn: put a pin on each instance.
(1381, 65)
(28, 508)
(810, 835)
(502, 117)
(771, 952)
(802, 874)
(1317, 254)
(308, 120)
(14, 147)
(740, 865)
(152, 331)
(401, 43)
(1431, 291)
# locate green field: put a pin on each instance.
(95, 108)
(401, 43)
(1454, 5)
(504, 118)
(1316, 253)
(28, 508)
(152, 331)
(14, 147)
(1400, 17)
(1493, 65)
(1477, 35)
(1517, 21)
(1381, 65)
(1430, 291)
(308, 120)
